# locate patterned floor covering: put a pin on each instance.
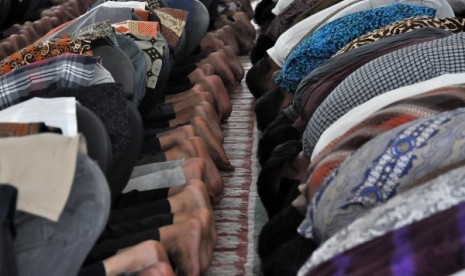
(240, 213)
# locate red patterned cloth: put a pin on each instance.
(145, 28)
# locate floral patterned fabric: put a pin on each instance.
(387, 165)
(452, 24)
(431, 246)
(420, 202)
(394, 115)
(327, 40)
(173, 22)
(45, 50)
(96, 31)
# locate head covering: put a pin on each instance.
(400, 68)
(402, 210)
(452, 24)
(327, 40)
(392, 116)
(385, 166)
(319, 83)
(432, 246)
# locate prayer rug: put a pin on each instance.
(240, 215)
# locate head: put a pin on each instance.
(278, 230)
(263, 43)
(259, 78)
(269, 105)
(272, 189)
(289, 257)
(263, 15)
(278, 132)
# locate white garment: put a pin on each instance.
(156, 180)
(457, 5)
(363, 111)
(442, 7)
(128, 4)
(280, 6)
(56, 112)
(289, 39)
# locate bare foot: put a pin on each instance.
(194, 168)
(171, 138)
(209, 234)
(202, 151)
(244, 41)
(158, 269)
(183, 243)
(234, 63)
(194, 99)
(244, 21)
(211, 117)
(210, 43)
(135, 258)
(194, 195)
(190, 149)
(215, 147)
(206, 111)
(214, 85)
(208, 69)
(226, 34)
(180, 96)
(219, 62)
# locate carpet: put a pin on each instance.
(240, 215)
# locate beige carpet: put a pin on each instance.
(240, 214)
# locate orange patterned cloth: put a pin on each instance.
(23, 129)
(45, 50)
(145, 28)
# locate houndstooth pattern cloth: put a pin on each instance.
(400, 68)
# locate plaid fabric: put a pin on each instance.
(67, 70)
(326, 77)
(402, 67)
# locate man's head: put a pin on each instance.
(278, 132)
(260, 78)
(269, 105)
(263, 43)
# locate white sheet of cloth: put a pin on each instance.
(363, 111)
